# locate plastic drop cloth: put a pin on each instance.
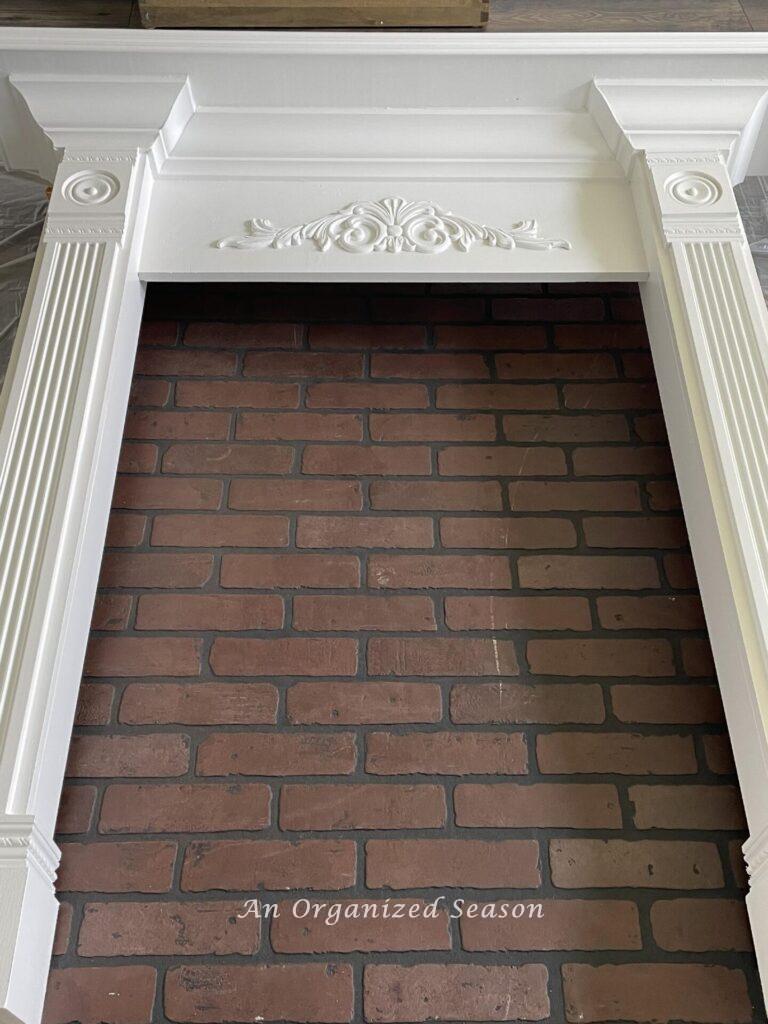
(23, 203)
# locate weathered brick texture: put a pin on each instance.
(396, 606)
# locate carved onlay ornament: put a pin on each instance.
(90, 188)
(694, 188)
(391, 225)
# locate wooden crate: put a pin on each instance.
(314, 13)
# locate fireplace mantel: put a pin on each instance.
(283, 156)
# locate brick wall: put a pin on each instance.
(397, 603)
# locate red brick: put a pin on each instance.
(363, 703)
(125, 531)
(290, 571)
(366, 460)
(556, 310)
(598, 657)
(680, 572)
(501, 461)
(588, 572)
(185, 807)
(145, 866)
(663, 495)
(369, 931)
(449, 863)
(430, 366)
(475, 496)
(600, 336)
(718, 755)
(158, 332)
(142, 656)
(572, 429)
(302, 495)
(668, 612)
(555, 366)
(540, 805)
(361, 612)
(650, 427)
(618, 753)
(155, 570)
(63, 931)
(697, 656)
(737, 865)
(130, 928)
(199, 704)
(315, 993)
(94, 704)
(287, 656)
(520, 532)
(446, 753)
(224, 335)
(362, 806)
(426, 308)
(366, 336)
(190, 426)
(432, 426)
(364, 532)
(100, 756)
(221, 531)
(299, 426)
(76, 809)
(698, 926)
(178, 363)
(137, 457)
(517, 613)
(490, 337)
(550, 703)
(672, 704)
(636, 864)
(149, 392)
(562, 924)
(111, 611)
(623, 461)
(227, 459)
(690, 807)
(402, 656)
(156, 492)
(367, 396)
(259, 753)
(459, 992)
(240, 394)
(250, 865)
(101, 995)
(282, 365)
(704, 993)
(209, 611)
(480, 572)
(574, 495)
(620, 395)
(626, 308)
(635, 532)
(638, 365)
(497, 396)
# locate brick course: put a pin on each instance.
(397, 604)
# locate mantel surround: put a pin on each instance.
(340, 157)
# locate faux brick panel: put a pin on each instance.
(397, 606)
(249, 865)
(636, 863)
(459, 992)
(314, 993)
(703, 993)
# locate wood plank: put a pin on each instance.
(67, 13)
(757, 14)
(314, 13)
(619, 16)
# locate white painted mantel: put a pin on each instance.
(341, 157)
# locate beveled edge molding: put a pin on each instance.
(391, 225)
(22, 840)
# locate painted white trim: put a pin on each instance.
(635, 171)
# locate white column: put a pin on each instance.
(709, 332)
(62, 414)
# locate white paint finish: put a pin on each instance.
(294, 127)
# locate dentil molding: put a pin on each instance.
(391, 225)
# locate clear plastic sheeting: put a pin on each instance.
(23, 202)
